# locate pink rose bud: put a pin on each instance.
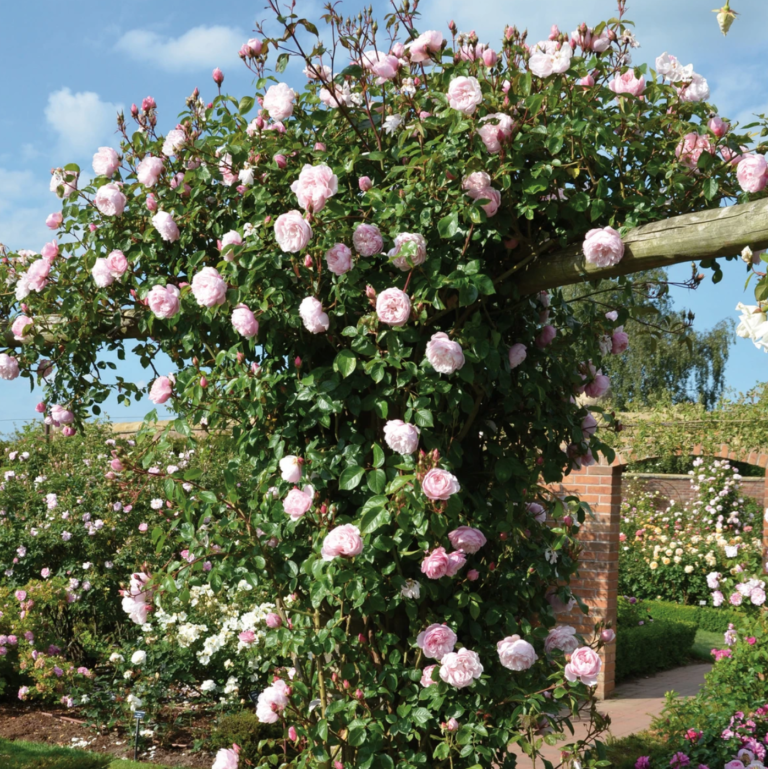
(67, 431)
(40, 408)
(240, 357)
(338, 765)
(473, 574)
(345, 683)
(361, 638)
(370, 292)
(359, 694)
(718, 126)
(110, 476)
(116, 465)
(54, 221)
(292, 734)
(489, 57)
(365, 183)
(247, 636)
(273, 620)
(207, 566)
(255, 368)
(492, 567)
(218, 76)
(92, 227)
(567, 520)
(319, 147)
(151, 202)
(297, 362)
(554, 32)
(308, 261)
(148, 103)
(280, 161)
(203, 382)
(510, 244)
(452, 725)
(608, 636)
(134, 110)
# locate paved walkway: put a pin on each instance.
(634, 704)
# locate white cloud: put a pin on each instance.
(82, 121)
(199, 48)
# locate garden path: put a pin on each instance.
(635, 703)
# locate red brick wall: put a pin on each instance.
(677, 488)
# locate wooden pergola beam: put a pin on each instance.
(703, 235)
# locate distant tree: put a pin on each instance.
(667, 359)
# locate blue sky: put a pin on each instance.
(70, 66)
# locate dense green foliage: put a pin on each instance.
(704, 617)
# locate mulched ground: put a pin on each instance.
(60, 726)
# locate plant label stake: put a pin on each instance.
(254, 697)
(137, 715)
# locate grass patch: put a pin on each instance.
(33, 755)
(704, 642)
(623, 753)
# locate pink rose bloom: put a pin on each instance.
(401, 437)
(278, 101)
(588, 425)
(691, 147)
(717, 598)
(37, 275)
(22, 328)
(436, 641)
(364, 183)
(537, 511)
(106, 161)
(545, 337)
(425, 44)
(475, 182)
(247, 636)
(244, 321)
(515, 653)
(619, 341)
(164, 301)
(339, 259)
(439, 484)
(393, 307)
(599, 384)
(464, 94)
(232, 238)
(436, 564)
(315, 185)
(456, 561)
(61, 416)
(584, 666)
(492, 196)
(292, 232)
(161, 390)
(296, 503)
(64, 183)
(628, 83)
(757, 596)
(696, 90)
(273, 621)
(413, 247)
(174, 141)
(550, 57)
(367, 240)
(311, 311)
(495, 133)
(608, 636)
(562, 637)
(586, 82)
(166, 226)
(426, 676)
(9, 367)
(383, 65)
(272, 702)
(735, 764)
(226, 758)
(517, 354)
(460, 668)
(752, 173)
(467, 539)
(117, 263)
(151, 202)
(603, 247)
(110, 200)
(291, 468)
(149, 170)
(50, 251)
(343, 541)
(209, 288)
(53, 221)
(102, 275)
(444, 355)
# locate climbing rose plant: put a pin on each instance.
(333, 272)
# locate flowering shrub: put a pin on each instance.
(685, 553)
(336, 280)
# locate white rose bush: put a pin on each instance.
(333, 272)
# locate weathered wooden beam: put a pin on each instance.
(703, 235)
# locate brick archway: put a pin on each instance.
(598, 579)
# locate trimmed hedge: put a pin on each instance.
(704, 617)
(657, 645)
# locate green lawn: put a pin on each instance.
(31, 755)
(704, 642)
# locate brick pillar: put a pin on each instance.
(765, 525)
(597, 582)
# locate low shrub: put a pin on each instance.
(645, 644)
(704, 617)
(256, 740)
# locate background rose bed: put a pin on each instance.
(397, 410)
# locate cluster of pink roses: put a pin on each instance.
(478, 187)
(439, 563)
(137, 599)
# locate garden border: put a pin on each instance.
(598, 580)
